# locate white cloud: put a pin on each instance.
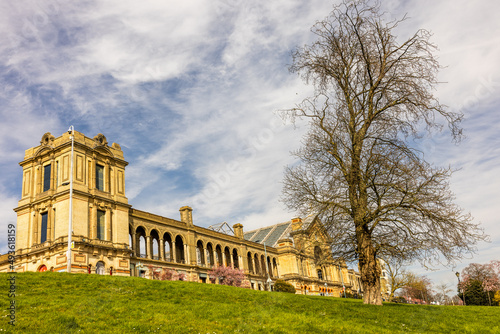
(190, 88)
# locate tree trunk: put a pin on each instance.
(370, 274)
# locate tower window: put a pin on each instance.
(101, 215)
(320, 274)
(43, 233)
(46, 177)
(99, 177)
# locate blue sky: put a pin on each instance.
(190, 91)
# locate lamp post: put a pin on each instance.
(267, 269)
(71, 130)
(461, 290)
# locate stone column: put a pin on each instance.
(109, 222)
(134, 242)
(173, 251)
(148, 247)
(161, 246)
(34, 239)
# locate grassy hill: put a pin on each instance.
(76, 303)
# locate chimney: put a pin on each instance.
(238, 230)
(187, 215)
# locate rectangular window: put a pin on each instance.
(46, 177)
(99, 177)
(101, 222)
(43, 233)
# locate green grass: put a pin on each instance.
(77, 303)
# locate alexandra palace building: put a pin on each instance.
(110, 237)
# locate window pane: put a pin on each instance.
(43, 234)
(101, 215)
(46, 177)
(99, 177)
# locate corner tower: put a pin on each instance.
(99, 210)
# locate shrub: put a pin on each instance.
(282, 286)
(400, 299)
(227, 276)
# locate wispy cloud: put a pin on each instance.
(189, 90)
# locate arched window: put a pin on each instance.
(320, 274)
(227, 254)
(235, 258)
(167, 239)
(99, 268)
(257, 265)
(210, 252)
(200, 256)
(318, 255)
(250, 265)
(218, 254)
(275, 267)
(263, 265)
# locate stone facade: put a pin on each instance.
(111, 237)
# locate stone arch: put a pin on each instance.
(154, 245)
(235, 258)
(218, 254)
(227, 255)
(41, 151)
(275, 267)
(263, 265)
(269, 267)
(104, 151)
(318, 255)
(257, 264)
(200, 253)
(210, 255)
(42, 268)
(168, 246)
(140, 234)
(250, 264)
(319, 272)
(179, 249)
(100, 268)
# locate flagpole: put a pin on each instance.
(70, 224)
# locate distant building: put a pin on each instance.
(111, 237)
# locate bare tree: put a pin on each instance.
(442, 294)
(419, 289)
(359, 172)
(399, 277)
